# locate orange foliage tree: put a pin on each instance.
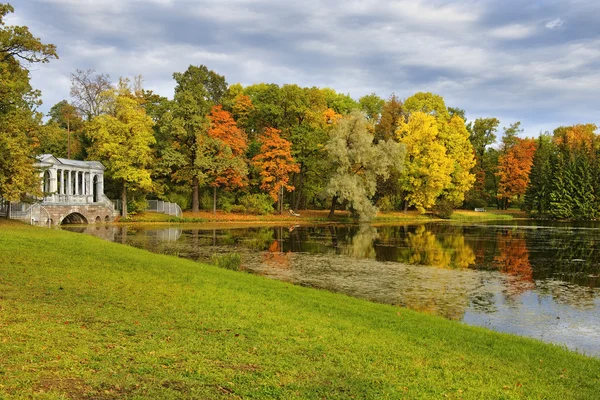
(513, 170)
(232, 144)
(275, 163)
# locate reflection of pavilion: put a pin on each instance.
(73, 193)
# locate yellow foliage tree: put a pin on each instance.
(427, 165)
(454, 136)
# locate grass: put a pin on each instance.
(83, 318)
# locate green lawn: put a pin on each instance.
(83, 318)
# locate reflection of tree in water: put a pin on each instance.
(424, 248)
(361, 242)
(275, 258)
(513, 259)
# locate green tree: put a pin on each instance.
(372, 106)
(122, 141)
(67, 117)
(356, 163)
(537, 195)
(198, 89)
(19, 123)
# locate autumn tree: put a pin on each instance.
(356, 163)
(391, 116)
(122, 140)
(275, 163)
(19, 123)
(513, 170)
(439, 153)
(90, 92)
(427, 167)
(230, 144)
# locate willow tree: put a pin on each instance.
(19, 49)
(122, 140)
(356, 162)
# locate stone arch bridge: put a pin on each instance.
(73, 193)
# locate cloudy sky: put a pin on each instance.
(537, 62)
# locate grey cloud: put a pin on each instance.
(490, 58)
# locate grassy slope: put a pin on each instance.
(82, 317)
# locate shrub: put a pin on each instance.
(232, 261)
(260, 203)
(443, 209)
(385, 204)
(238, 208)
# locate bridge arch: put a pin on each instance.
(74, 218)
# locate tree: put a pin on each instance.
(372, 106)
(275, 163)
(482, 135)
(91, 92)
(356, 163)
(391, 114)
(231, 144)
(122, 141)
(427, 167)
(537, 195)
(19, 49)
(454, 136)
(514, 166)
(434, 151)
(198, 90)
(67, 117)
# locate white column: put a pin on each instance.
(53, 181)
(62, 182)
(70, 182)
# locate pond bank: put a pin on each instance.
(314, 216)
(83, 317)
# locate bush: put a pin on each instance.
(136, 205)
(443, 209)
(260, 203)
(385, 204)
(232, 261)
(238, 208)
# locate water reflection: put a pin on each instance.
(540, 281)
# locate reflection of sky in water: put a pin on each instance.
(542, 283)
(539, 316)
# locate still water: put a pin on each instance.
(541, 281)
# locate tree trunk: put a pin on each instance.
(299, 195)
(281, 200)
(8, 210)
(214, 200)
(68, 140)
(332, 209)
(124, 200)
(195, 201)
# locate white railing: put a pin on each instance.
(164, 207)
(34, 214)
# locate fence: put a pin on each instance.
(164, 207)
(35, 214)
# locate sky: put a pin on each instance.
(537, 62)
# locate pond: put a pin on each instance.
(531, 279)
